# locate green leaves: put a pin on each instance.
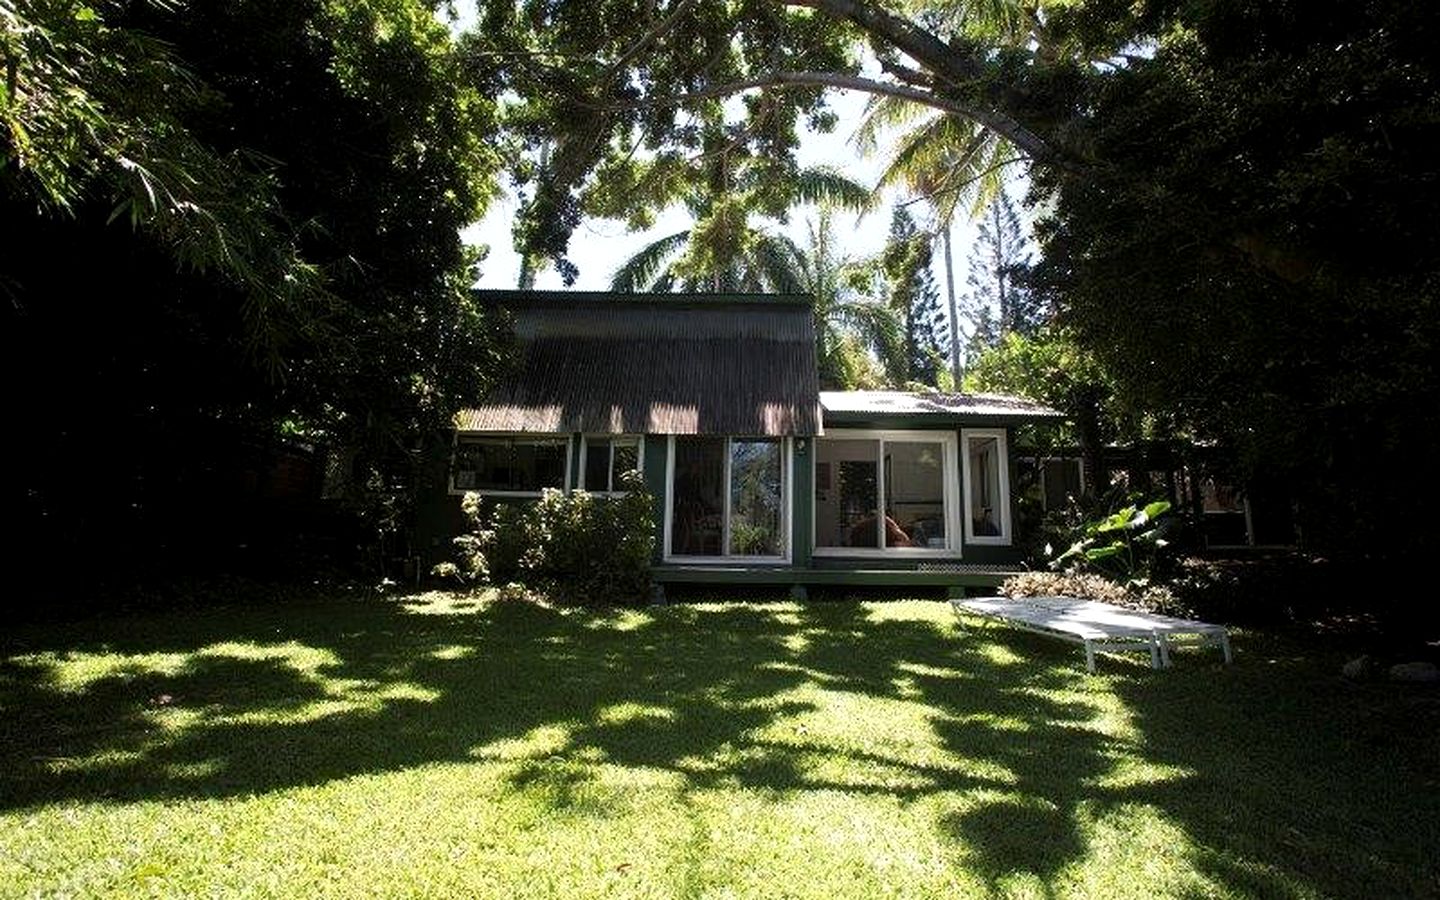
(1121, 544)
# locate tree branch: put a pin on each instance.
(947, 63)
(1025, 140)
(646, 39)
(903, 35)
(906, 74)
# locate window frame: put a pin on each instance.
(1003, 539)
(637, 440)
(531, 437)
(949, 479)
(787, 488)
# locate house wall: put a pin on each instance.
(439, 518)
(970, 553)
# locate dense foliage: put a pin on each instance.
(581, 548)
(1254, 253)
(229, 225)
(1235, 196)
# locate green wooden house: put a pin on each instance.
(759, 476)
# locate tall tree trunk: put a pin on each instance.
(998, 260)
(954, 309)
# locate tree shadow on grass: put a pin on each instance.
(998, 733)
(207, 705)
(1296, 769)
(1280, 778)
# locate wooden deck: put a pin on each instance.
(958, 577)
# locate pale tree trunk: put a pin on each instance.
(954, 309)
(999, 257)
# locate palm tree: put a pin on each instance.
(724, 251)
(951, 163)
(858, 337)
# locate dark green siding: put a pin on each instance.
(802, 512)
(439, 519)
(657, 456)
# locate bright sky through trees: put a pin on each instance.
(599, 246)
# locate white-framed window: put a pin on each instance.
(987, 485)
(727, 498)
(604, 458)
(886, 493)
(510, 465)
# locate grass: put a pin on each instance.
(443, 746)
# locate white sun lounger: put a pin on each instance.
(1097, 626)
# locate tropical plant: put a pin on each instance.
(724, 251)
(581, 548)
(858, 335)
(1122, 545)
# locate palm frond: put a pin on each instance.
(881, 114)
(822, 185)
(875, 324)
(778, 264)
(642, 272)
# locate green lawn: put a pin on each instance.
(440, 746)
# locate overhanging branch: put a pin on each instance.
(1025, 140)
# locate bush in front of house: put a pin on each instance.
(1113, 551)
(579, 548)
(1160, 598)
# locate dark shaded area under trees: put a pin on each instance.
(168, 415)
(1236, 203)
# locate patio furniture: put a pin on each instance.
(1098, 626)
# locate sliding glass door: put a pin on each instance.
(886, 493)
(728, 498)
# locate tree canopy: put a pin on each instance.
(228, 224)
(1232, 196)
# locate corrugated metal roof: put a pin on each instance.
(860, 404)
(605, 363)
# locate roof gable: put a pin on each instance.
(655, 364)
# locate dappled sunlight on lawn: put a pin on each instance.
(463, 745)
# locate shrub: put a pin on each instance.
(581, 548)
(1125, 544)
(1064, 584)
(1088, 586)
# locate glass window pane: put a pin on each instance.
(626, 459)
(597, 464)
(915, 494)
(504, 464)
(846, 493)
(697, 510)
(984, 488)
(539, 465)
(756, 497)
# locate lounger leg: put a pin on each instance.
(1154, 651)
(1164, 651)
(1225, 646)
(1089, 657)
